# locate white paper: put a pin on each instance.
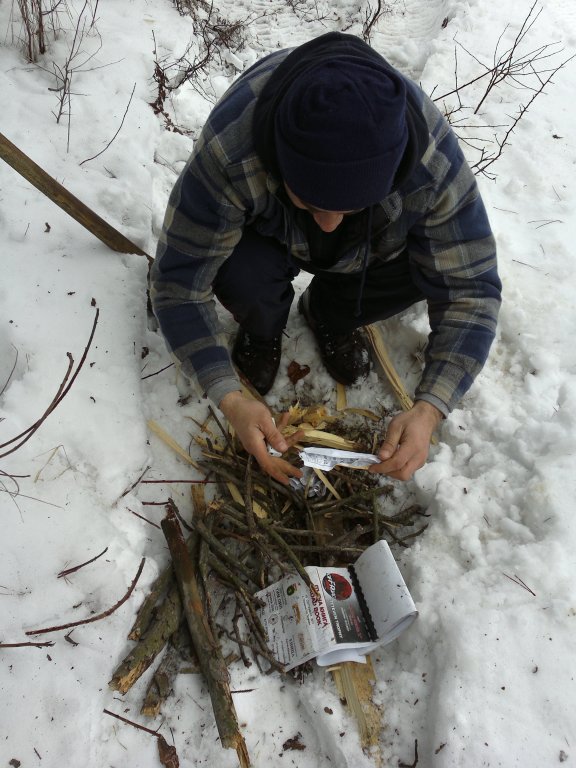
(328, 458)
(330, 621)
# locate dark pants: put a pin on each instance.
(255, 285)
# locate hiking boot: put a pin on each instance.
(345, 355)
(257, 358)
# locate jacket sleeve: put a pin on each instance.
(203, 223)
(453, 259)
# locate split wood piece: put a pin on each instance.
(199, 501)
(160, 687)
(166, 622)
(325, 439)
(257, 509)
(165, 437)
(38, 177)
(383, 357)
(148, 607)
(354, 683)
(364, 412)
(248, 389)
(206, 645)
(327, 483)
(395, 382)
(340, 396)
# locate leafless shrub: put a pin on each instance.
(44, 19)
(371, 18)
(37, 21)
(160, 77)
(75, 62)
(189, 7)
(528, 70)
(310, 10)
(216, 41)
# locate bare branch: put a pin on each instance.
(63, 390)
(117, 132)
(99, 616)
(75, 568)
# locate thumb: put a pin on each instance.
(391, 441)
(274, 436)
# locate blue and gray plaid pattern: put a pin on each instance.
(436, 217)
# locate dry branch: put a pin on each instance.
(98, 617)
(166, 752)
(63, 390)
(75, 568)
(166, 620)
(522, 70)
(207, 647)
(162, 681)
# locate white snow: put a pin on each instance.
(485, 677)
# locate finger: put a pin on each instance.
(402, 465)
(280, 469)
(273, 435)
(388, 467)
(391, 440)
(407, 471)
(282, 419)
(294, 438)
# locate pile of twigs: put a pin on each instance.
(252, 533)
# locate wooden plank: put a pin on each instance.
(74, 207)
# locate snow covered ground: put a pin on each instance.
(485, 677)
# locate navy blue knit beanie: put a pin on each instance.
(340, 133)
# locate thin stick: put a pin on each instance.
(63, 390)
(48, 644)
(136, 514)
(10, 374)
(169, 482)
(166, 752)
(248, 505)
(219, 548)
(289, 552)
(134, 484)
(131, 722)
(92, 619)
(149, 375)
(75, 568)
(117, 132)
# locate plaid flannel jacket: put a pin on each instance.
(436, 217)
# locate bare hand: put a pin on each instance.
(255, 427)
(405, 447)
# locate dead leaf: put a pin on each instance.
(167, 753)
(294, 743)
(297, 371)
